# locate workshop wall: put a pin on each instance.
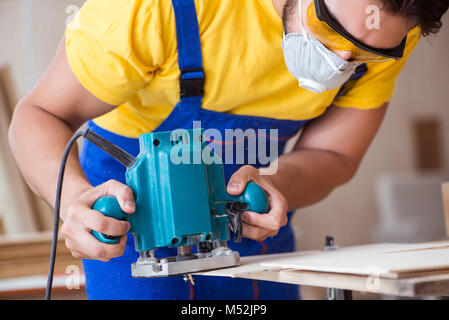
(12, 53)
(30, 31)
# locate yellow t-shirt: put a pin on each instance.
(125, 53)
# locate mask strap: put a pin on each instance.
(303, 29)
(283, 38)
(329, 60)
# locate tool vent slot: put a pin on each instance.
(177, 138)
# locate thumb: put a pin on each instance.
(240, 178)
(122, 192)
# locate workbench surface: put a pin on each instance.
(409, 270)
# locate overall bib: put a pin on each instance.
(112, 280)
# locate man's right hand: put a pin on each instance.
(80, 219)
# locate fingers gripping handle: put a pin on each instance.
(253, 199)
(109, 207)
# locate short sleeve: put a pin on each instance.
(377, 86)
(107, 47)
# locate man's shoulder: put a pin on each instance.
(119, 8)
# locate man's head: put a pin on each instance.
(426, 14)
(379, 24)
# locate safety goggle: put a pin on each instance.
(326, 29)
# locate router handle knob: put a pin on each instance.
(109, 207)
(256, 198)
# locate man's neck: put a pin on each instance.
(279, 6)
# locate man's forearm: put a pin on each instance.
(38, 140)
(305, 177)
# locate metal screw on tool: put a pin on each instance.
(148, 256)
(188, 278)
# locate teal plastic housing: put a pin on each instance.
(180, 193)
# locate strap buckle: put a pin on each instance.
(192, 82)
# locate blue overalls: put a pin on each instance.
(112, 280)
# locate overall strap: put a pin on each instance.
(358, 74)
(190, 59)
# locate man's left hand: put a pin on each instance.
(260, 226)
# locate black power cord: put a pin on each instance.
(57, 209)
(119, 154)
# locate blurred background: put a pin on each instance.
(395, 197)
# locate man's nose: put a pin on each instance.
(345, 55)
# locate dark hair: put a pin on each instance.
(426, 14)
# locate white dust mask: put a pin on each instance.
(317, 68)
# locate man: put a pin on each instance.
(120, 65)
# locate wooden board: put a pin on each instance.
(349, 260)
(428, 146)
(350, 271)
(254, 264)
(29, 254)
(446, 205)
(19, 211)
(424, 285)
(31, 212)
(388, 261)
(2, 227)
(7, 87)
(34, 287)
